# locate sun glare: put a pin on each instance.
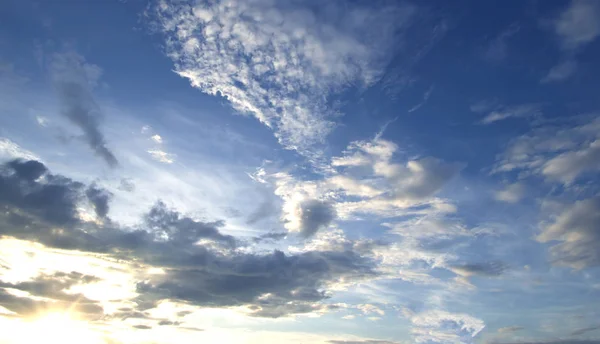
(58, 328)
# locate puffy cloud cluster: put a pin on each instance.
(363, 181)
(280, 61)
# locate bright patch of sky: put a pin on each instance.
(279, 171)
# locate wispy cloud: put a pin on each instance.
(560, 72)
(579, 24)
(517, 111)
(74, 79)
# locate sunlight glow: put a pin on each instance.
(56, 328)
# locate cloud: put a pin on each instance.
(10, 150)
(315, 215)
(567, 166)
(563, 152)
(99, 199)
(364, 181)
(53, 199)
(49, 292)
(518, 111)
(577, 230)
(74, 80)
(497, 50)
(162, 156)
(200, 264)
(437, 326)
(510, 329)
(484, 270)
(156, 138)
(280, 61)
(560, 72)
(513, 193)
(584, 330)
(426, 96)
(579, 24)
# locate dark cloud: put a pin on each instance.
(53, 199)
(184, 230)
(99, 199)
(74, 79)
(585, 330)
(28, 170)
(274, 236)
(202, 265)
(275, 284)
(142, 327)
(315, 215)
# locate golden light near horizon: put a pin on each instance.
(53, 327)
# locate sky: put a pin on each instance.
(286, 171)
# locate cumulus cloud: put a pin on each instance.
(74, 80)
(364, 180)
(577, 230)
(280, 61)
(579, 24)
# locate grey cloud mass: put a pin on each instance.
(202, 265)
(315, 215)
(99, 199)
(73, 79)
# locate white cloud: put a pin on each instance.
(11, 150)
(513, 193)
(557, 153)
(560, 72)
(438, 326)
(156, 138)
(379, 187)
(567, 166)
(579, 24)
(576, 228)
(279, 61)
(162, 156)
(518, 111)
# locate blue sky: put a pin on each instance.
(282, 171)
